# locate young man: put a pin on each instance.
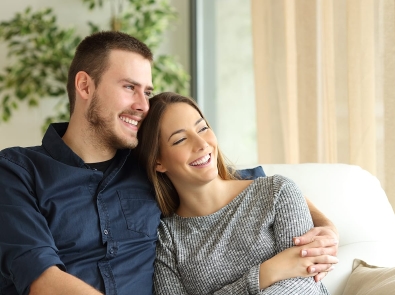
(78, 214)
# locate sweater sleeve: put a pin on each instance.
(292, 218)
(168, 280)
(247, 284)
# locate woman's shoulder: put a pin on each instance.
(273, 186)
(276, 180)
(166, 229)
(168, 222)
(176, 224)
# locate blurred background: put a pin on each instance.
(24, 126)
(280, 81)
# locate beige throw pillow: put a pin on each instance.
(367, 279)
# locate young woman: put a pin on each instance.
(219, 234)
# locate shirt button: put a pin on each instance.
(111, 251)
(106, 232)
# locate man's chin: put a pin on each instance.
(133, 144)
(131, 141)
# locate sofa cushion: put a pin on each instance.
(367, 279)
(251, 173)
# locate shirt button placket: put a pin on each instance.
(112, 249)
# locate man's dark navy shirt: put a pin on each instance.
(55, 210)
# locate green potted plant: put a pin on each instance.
(40, 53)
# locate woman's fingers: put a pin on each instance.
(319, 268)
(318, 277)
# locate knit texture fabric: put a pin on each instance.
(221, 253)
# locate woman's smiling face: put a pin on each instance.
(188, 147)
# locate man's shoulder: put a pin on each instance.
(20, 155)
(18, 150)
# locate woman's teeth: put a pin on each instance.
(201, 161)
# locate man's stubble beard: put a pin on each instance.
(103, 128)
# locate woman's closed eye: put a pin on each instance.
(203, 129)
(179, 141)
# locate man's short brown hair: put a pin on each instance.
(92, 54)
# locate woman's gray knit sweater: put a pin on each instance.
(221, 253)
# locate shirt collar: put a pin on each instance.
(55, 146)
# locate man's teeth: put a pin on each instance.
(201, 161)
(127, 120)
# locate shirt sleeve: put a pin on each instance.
(27, 247)
(292, 219)
(167, 279)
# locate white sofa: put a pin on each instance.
(354, 200)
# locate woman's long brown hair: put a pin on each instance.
(149, 150)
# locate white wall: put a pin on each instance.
(24, 128)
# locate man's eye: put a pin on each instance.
(131, 87)
(149, 94)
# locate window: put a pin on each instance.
(222, 74)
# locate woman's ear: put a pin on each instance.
(160, 168)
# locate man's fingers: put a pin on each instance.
(299, 241)
(320, 247)
(323, 263)
(307, 237)
(315, 234)
(312, 252)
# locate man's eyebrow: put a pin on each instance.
(136, 83)
(182, 130)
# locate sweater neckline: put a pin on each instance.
(219, 212)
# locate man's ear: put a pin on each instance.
(84, 85)
(160, 168)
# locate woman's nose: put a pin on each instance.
(200, 143)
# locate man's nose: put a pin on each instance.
(140, 102)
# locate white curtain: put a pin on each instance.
(325, 83)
